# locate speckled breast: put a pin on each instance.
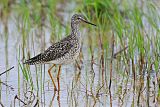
(71, 55)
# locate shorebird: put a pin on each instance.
(63, 52)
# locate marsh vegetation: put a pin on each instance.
(119, 63)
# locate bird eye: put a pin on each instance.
(79, 18)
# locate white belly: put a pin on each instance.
(67, 59)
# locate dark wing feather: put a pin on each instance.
(57, 50)
(35, 60)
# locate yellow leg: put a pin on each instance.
(58, 97)
(59, 72)
(49, 72)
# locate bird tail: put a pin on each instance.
(35, 60)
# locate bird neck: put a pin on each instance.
(75, 32)
(75, 29)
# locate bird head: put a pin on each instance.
(78, 18)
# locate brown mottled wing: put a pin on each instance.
(35, 60)
(57, 50)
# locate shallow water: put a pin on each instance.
(73, 92)
(84, 87)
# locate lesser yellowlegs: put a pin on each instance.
(64, 51)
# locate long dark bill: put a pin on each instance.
(88, 22)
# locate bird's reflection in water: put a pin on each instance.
(58, 98)
(53, 99)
